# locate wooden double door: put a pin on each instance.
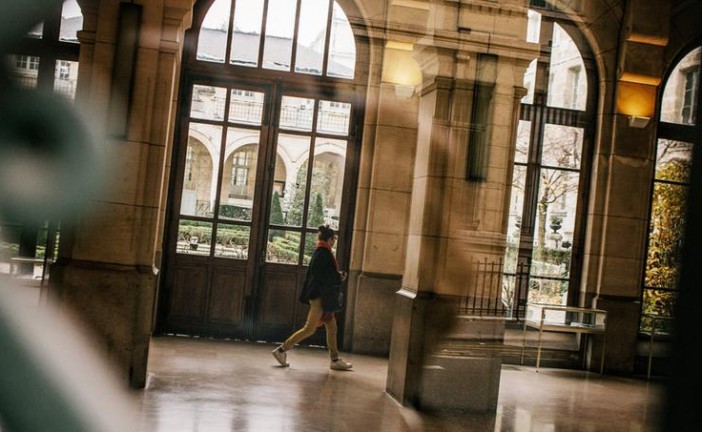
(257, 168)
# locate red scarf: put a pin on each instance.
(322, 243)
(326, 316)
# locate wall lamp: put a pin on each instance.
(636, 100)
(638, 122)
(400, 68)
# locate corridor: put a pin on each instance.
(208, 385)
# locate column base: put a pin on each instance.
(457, 383)
(421, 377)
(116, 304)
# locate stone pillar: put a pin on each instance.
(459, 203)
(107, 270)
(416, 305)
(383, 195)
(618, 225)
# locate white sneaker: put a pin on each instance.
(340, 364)
(281, 356)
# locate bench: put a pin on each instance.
(16, 261)
(563, 319)
(660, 325)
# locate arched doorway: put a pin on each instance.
(265, 151)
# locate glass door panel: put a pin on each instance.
(232, 241)
(283, 247)
(246, 107)
(296, 113)
(194, 237)
(236, 197)
(207, 102)
(327, 183)
(289, 190)
(334, 118)
(296, 148)
(310, 245)
(317, 160)
(222, 156)
(200, 177)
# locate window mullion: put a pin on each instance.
(261, 46)
(531, 184)
(230, 33)
(327, 38)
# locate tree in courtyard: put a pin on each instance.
(561, 149)
(321, 180)
(297, 197)
(666, 230)
(276, 217)
(316, 217)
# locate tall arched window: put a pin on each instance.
(545, 226)
(308, 36)
(269, 126)
(678, 114)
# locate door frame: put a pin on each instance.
(255, 264)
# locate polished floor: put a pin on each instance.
(207, 385)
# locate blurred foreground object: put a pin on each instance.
(49, 159)
(52, 379)
(50, 164)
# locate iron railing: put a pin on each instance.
(490, 292)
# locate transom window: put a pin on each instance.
(311, 37)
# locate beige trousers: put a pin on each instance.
(310, 327)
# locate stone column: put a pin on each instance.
(385, 183)
(624, 167)
(449, 222)
(107, 270)
(382, 211)
(416, 303)
(459, 203)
